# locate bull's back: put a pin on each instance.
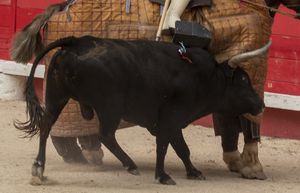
(139, 76)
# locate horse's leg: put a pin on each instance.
(86, 111)
(52, 111)
(108, 126)
(68, 149)
(229, 131)
(179, 145)
(91, 148)
(252, 167)
(246, 164)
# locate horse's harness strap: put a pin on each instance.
(67, 9)
(272, 9)
(127, 6)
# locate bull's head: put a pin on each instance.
(240, 97)
(240, 94)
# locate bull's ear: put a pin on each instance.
(228, 70)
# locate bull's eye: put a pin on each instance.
(245, 80)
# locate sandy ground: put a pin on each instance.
(280, 158)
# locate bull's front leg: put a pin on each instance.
(162, 143)
(179, 145)
(111, 143)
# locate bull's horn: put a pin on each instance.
(236, 60)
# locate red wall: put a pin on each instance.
(284, 60)
(7, 26)
(14, 15)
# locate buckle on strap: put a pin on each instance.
(127, 6)
(182, 51)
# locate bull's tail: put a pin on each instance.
(28, 42)
(35, 112)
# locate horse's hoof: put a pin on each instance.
(252, 168)
(260, 175)
(93, 157)
(250, 173)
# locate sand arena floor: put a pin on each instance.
(280, 158)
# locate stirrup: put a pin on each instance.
(192, 34)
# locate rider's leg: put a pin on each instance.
(68, 149)
(174, 12)
(91, 149)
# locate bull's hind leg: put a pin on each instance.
(52, 112)
(179, 145)
(108, 126)
(55, 102)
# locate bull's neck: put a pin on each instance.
(217, 86)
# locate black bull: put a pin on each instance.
(142, 82)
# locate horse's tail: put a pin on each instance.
(34, 110)
(28, 42)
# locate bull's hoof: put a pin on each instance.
(166, 180)
(235, 166)
(93, 157)
(37, 169)
(37, 172)
(134, 171)
(36, 181)
(195, 175)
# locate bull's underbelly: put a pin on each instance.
(141, 105)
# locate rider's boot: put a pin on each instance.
(188, 33)
(174, 13)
